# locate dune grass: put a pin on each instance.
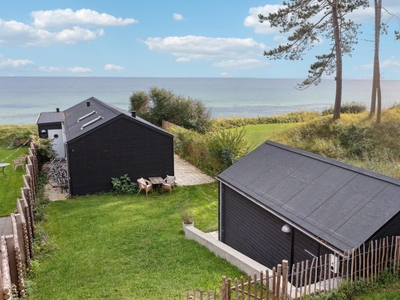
(128, 247)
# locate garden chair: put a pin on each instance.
(144, 185)
(20, 161)
(169, 183)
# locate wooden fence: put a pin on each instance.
(321, 275)
(16, 250)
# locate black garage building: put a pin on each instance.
(282, 203)
(100, 141)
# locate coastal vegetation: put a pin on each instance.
(160, 104)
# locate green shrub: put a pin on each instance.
(347, 108)
(212, 152)
(161, 104)
(227, 147)
(123, 185)
(44, 148)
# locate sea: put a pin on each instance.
(22, 99)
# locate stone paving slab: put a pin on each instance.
(187, 174)
(5, 226)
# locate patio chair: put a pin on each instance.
(144, 185)
(169, 183)
(20, 161)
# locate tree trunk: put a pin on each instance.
(376, 72)
(338, 54)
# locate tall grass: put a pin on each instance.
(355, 139)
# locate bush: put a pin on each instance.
(44, 149)
(347, 108)
(160, 104)
(123, 185)
(212, 152)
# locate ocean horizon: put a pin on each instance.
(23, 98)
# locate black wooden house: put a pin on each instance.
(100, 141)
(282, 203)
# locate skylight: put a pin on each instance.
(91, 122)
(88, 115)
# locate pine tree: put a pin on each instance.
(307, 21)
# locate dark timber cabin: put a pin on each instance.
(100, 141)
(281, 203)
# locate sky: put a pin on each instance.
(159, 38)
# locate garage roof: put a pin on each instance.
(339, 203)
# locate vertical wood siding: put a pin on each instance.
(119, 147)
(257, 233)
(252, 230)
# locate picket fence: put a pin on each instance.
(320, 275)
(16, 250)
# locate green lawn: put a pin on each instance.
(128, 247)
(10, 186)
(258, 134)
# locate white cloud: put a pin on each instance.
(69, 24)
(200, 47)
(225, 75)
(49, 69)
(111, 67)
(392, 63)
(241, 64)
(59, 18)
(177, 17)
(182, 59)
(14, 63)
(253, 20)
(80, 70)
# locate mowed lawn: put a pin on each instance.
(257, 134)
(128, 247)
(10, 185)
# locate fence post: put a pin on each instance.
(223, 288)
(5, 270)
(284, 278)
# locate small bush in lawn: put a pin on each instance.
(347, 108)
(123, 185)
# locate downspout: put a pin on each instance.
(220, 211)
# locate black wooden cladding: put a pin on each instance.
(257, 233)
(120, 146)
(253, 231)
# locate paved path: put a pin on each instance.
(5, 226)
(187, 174)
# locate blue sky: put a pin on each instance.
(129, 38)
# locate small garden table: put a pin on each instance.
(157, 181)
(2, 166)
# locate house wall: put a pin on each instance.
(252, 230)
(391, 228)
(46, 127)
(121, 146)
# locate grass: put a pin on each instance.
(257, 134)
(128, 247)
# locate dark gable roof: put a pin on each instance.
(49, 117)
(91, 113)
(339, 203)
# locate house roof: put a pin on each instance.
(338, 203)
(92, 113)
(49, 117)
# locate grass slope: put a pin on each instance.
(10, 185)
(129, 247)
